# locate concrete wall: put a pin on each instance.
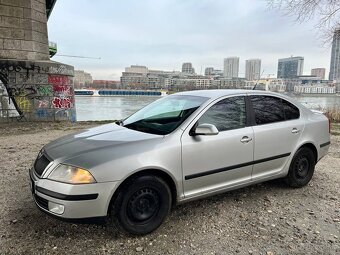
(23, 30)
(36, 91)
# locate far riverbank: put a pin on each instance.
(91, 108)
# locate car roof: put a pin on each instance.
(216, 93)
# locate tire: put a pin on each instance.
(301, 168)
(142, 204)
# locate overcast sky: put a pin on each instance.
(162, 34)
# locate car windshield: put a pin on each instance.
(164, 115)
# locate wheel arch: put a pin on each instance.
(311, 146)
(150, 171)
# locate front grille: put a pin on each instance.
(42, 202)
(40, 164)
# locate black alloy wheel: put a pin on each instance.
(142, 204)
(301, 169)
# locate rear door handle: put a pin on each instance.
(246, 139)
(295, 131)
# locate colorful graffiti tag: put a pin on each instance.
(64, 103)
(63, 92)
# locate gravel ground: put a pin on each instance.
(268, 218)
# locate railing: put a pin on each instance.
(52, 48)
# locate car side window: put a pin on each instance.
(267, 109)
(291, 111)
(227, 114)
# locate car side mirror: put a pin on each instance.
(205, 129)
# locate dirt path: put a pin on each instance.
(268, 218)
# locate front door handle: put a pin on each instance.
(295, 131)
(246, 139)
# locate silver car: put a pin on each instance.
(182, 147)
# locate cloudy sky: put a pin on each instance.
(162, 34)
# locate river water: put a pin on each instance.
(113, 108)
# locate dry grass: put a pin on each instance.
(333, 114)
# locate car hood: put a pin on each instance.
(109, 135)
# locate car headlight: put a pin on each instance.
(71, 174)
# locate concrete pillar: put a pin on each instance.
(23, 30)
(36, 91)
(32, 88)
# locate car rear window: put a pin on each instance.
(290, 110)
(269, 109)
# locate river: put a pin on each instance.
(113, 108)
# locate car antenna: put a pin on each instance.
(258, 80)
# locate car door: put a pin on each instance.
(212, 163)
(277, 129)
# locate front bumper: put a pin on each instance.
(78, 201)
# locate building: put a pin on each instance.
(105, 84)
(136, 69)
(304, 79)
(187, 68)
(82, 78)
(315, 89)
(268, 84)
(253, 69)
(334, 72)
(290, 67)
(211, 72)
(319, 73)
(231, 67)
(208, 71)
(230, 83)
(140, 77)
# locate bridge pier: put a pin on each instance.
(32, 87)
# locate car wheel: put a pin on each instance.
(142, 204)
(301, 168)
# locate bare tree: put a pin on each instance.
(326, 13)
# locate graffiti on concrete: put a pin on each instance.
(27, 78)
(60, 69)
(61, 85)
(5, 68)
(30, 90)
(65, 103)
(59, 79)
(44, 113)
(63, 92)
(7, 108)
(45, 90)
(24, 103)
(43, 103)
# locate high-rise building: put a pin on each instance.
(231, 66)
(319, 72)
(290, 67)
(211, 72)
(334, 72)
(187, 68)
(208, 71)
(253, 69)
